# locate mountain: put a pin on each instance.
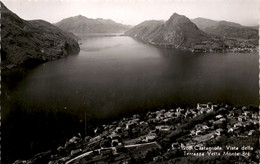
(28, 43)
(82, 24)
(178, 32)
(255, 27)
(145, 29)
(226, 29)
(203, 23)
(233, 32)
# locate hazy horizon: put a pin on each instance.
(133, 12)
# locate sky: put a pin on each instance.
(133, 12)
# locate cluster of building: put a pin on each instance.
(149, 136)
(226, 45)
(241, 124)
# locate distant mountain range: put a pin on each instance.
(226, 29)
(178, 31)
(200, 34)
(82, 24)
(28, 43)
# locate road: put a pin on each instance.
(142, 144)
(126, 146)
(78, 157)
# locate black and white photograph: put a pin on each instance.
(129, 81)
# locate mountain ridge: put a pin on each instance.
(197, 35)
(28, 43)
(82, 24)
(178, 32)
(226, 29)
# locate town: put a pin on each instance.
(178, 135)
(218, 45)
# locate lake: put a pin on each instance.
(112, 77)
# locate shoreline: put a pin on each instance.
(201, 48)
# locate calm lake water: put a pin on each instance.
(116, 75)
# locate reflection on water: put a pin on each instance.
(115, 75)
